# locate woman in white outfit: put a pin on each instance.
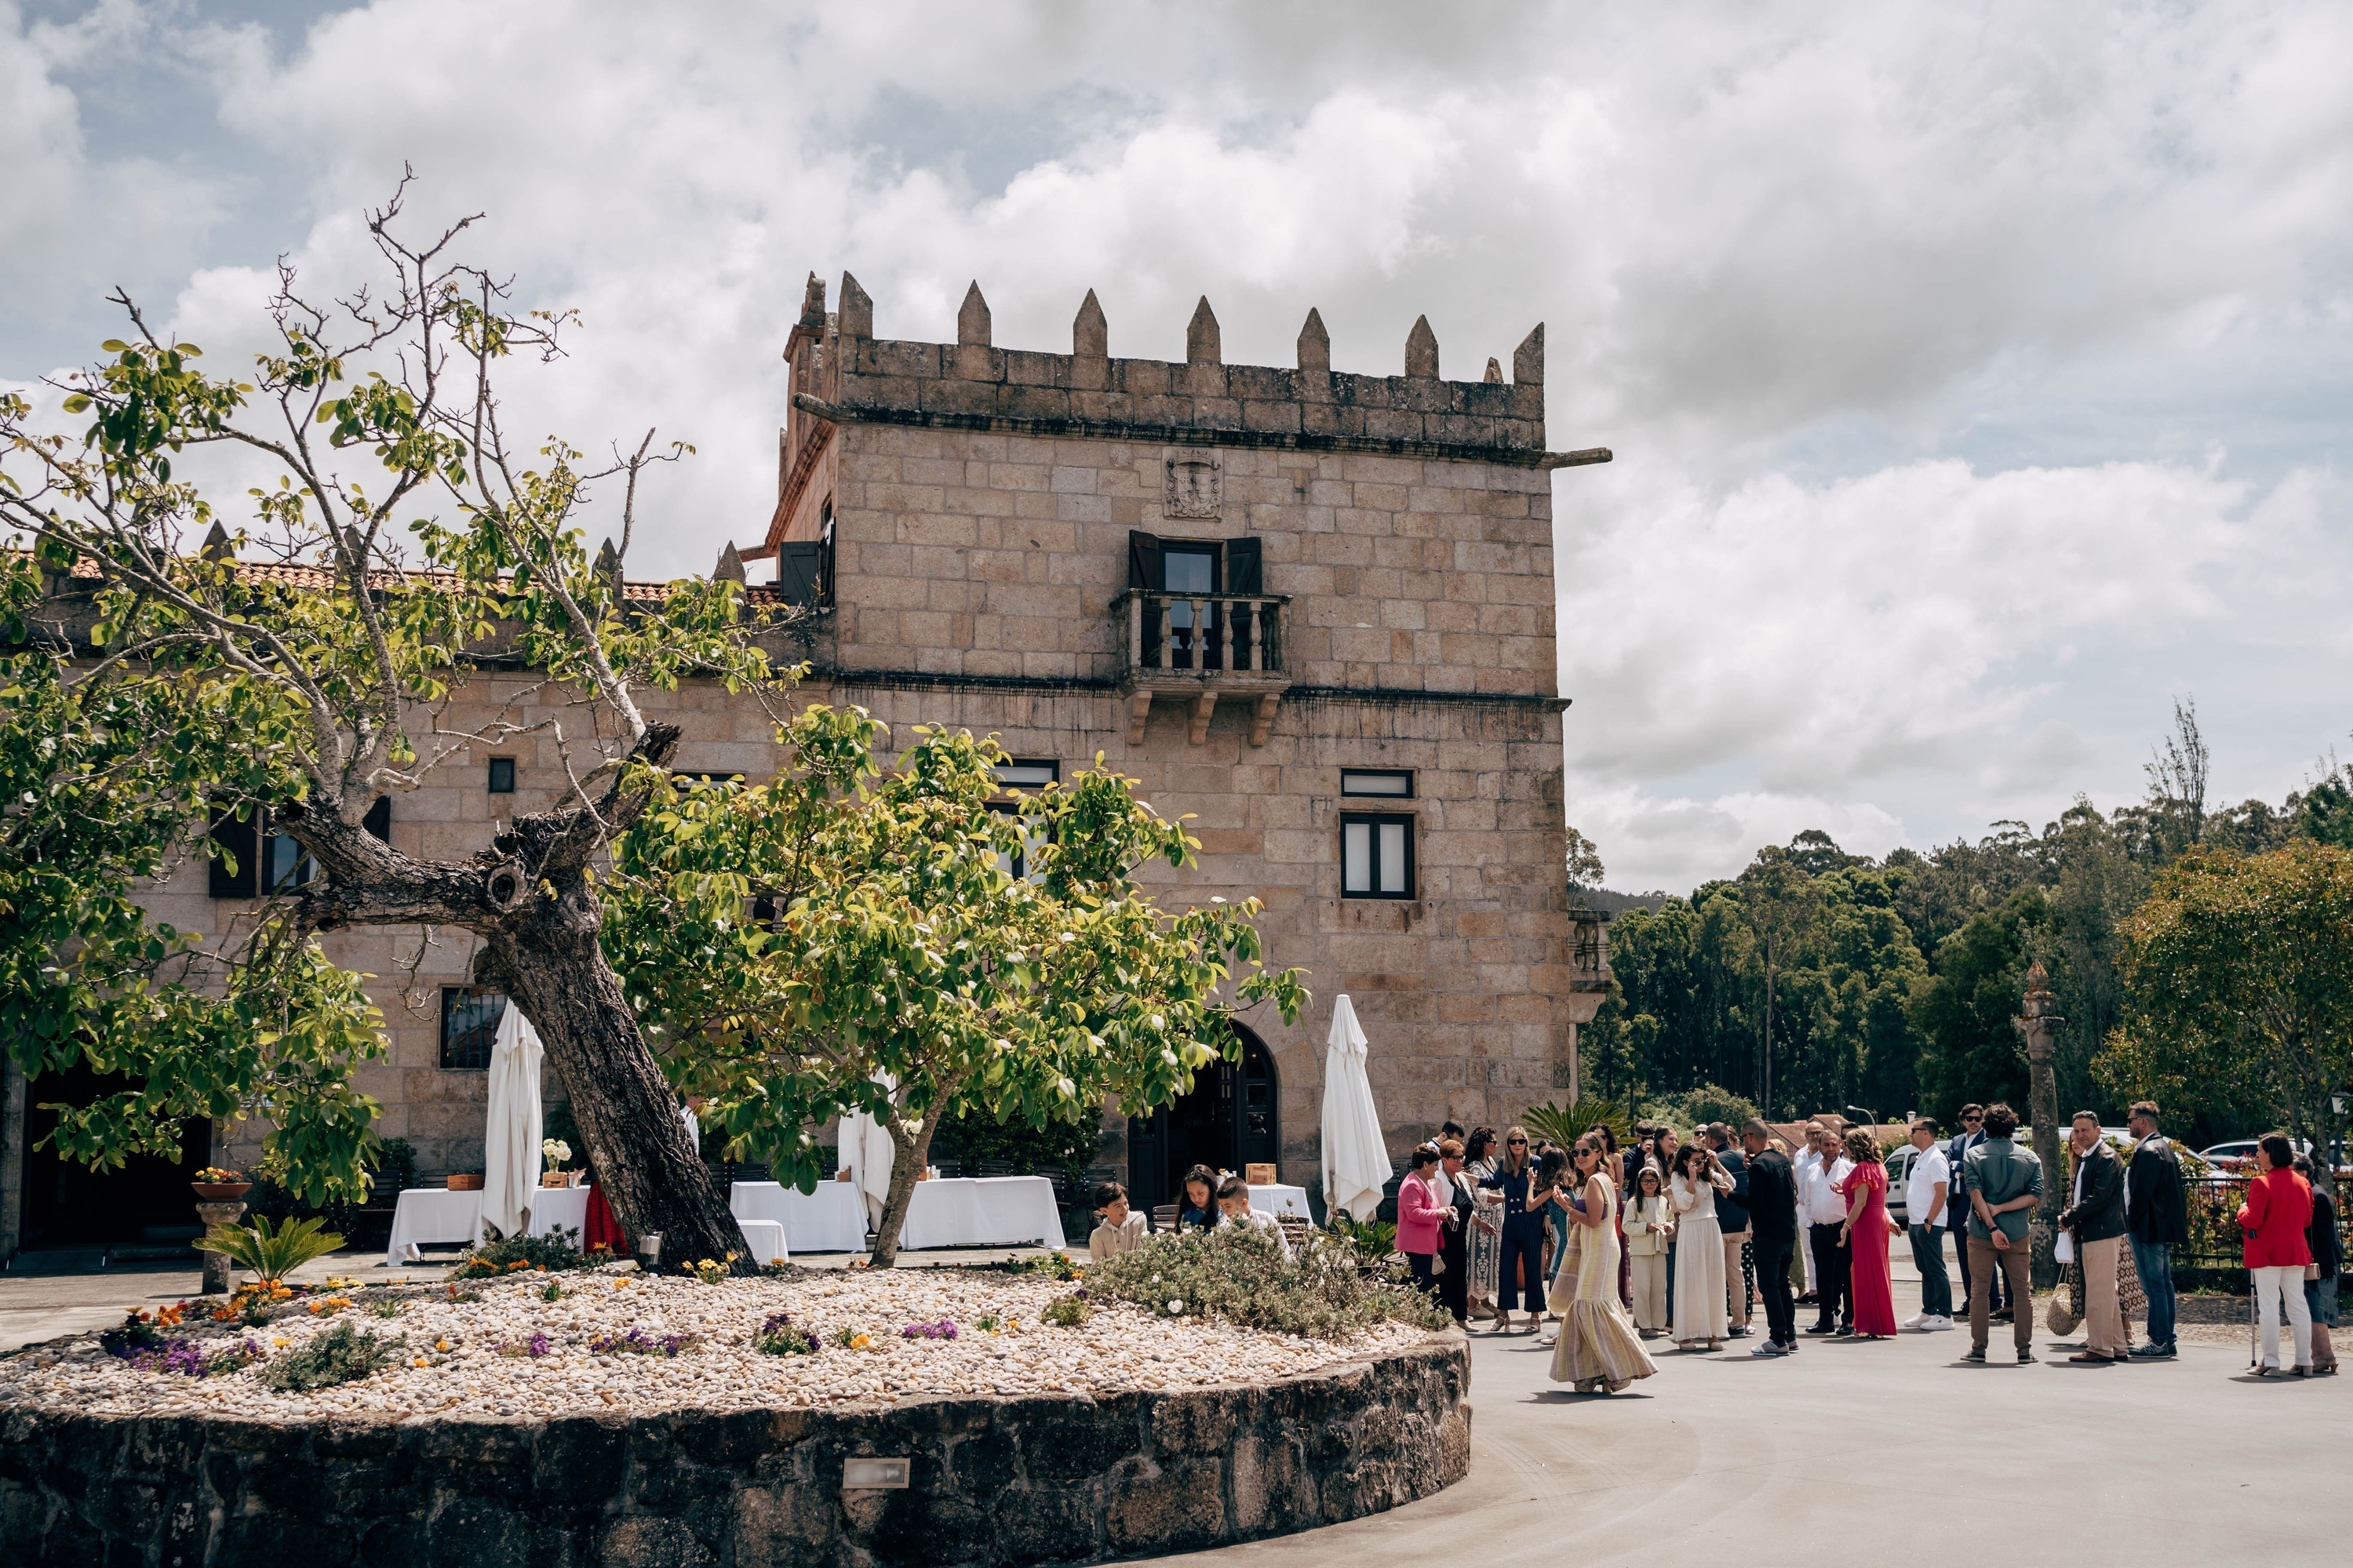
(1699, 1245)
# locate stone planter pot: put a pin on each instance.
(221, 1191)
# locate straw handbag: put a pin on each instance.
(2066, 1302)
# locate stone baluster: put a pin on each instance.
(1200, 653)
(1167, 633)
(1135, 624)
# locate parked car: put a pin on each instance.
(2239, 1155)
(1898, 1165)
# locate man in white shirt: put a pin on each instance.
(1926, 1192)
(1826, 1218)
(1808, 1156)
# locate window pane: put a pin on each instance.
(1357, 858)
(1026, 776)
(1190, 570)
(469, 1027)
(1392, 783)
(1393, 857)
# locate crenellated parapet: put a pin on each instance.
(971, 383)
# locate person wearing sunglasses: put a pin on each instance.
(1520, 1264)
(1957, 1205)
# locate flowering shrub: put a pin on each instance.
(214, 1175)
(326, 1306)
(637, 1341)
(1238, 1273)
(943, 1329)
(135, 1336)
(851, 1339)
(1053, 1265)
(780, 1336)
(344, 1354)
(538, 1346)
(711, 1270)
(251, 1303)
(556, 1252)
(1066, 1311)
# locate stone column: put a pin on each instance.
(2039, 1025)
(217, 1268)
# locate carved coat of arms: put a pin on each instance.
(1196, 486)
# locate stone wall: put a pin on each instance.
(993, 1481)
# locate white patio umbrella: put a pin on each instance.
(1356, 1160)
(862, 1147)
(510, 1139)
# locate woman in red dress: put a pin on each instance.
(1865, 1236)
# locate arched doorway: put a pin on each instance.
(1228, 1121)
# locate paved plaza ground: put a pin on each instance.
(1847, 1453)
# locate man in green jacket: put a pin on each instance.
(2005, 1183)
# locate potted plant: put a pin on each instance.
(215, 1186)
(555, 1151)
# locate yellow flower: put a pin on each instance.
(418, 1360)
(441, 1345)
(279, 1340)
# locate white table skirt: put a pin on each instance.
(983, 1211)
(554, 1206)
(766, 1237)
(431, 1215)
(1280, 1201)
(830, 1219)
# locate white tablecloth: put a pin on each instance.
(1280, 1201)
(554, 1206)
(983, 1211)
(766, 1237)
(830, 1219)
(428, 1215)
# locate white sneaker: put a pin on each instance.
(1916, 1320)
(1936, 1325)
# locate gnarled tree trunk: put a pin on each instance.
(910, 1147)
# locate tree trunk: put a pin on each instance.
(550, 964)
(910, 1149)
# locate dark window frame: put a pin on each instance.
(478, 1036)
(1348, 773)
(493, 773)
(1373, 822)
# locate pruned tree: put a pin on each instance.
(309, 664)
(895, 963)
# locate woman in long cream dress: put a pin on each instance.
(1598, 1348)
(1699, 1301)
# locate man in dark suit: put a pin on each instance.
(1772, 1202)
(2157, 1218)
(1732, 1218)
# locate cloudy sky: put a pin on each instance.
(1979, 374)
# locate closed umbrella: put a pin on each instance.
(510, 1140)
(863, 1149)
(1356, 1159)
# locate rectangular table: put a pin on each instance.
(830, 1219)
(435, 1216)
(1280, 1201)
(983, 1211)
(766, 1237)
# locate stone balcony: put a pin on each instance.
(1200, 649)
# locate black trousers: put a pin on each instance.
(1419, 1262)
(1454, 1285)
(1773, 1254)
(1831, 1277)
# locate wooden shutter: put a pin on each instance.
(800, 574)
(242, 839)
(378, 819)
(1144, 565)
(1244, 572)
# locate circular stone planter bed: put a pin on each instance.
(634, 1420)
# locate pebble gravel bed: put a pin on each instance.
(510, 1352)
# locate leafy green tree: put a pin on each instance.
(2239, 980)
(896, 965)
(305, 668)
(1972, 1051)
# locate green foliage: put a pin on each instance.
(344, 1354)
(2238, 976)
(396, 1160)
(404, 539)
(1066, 1311)
(779, 1335)
(558, 1251)
(1323, 1290)
(970, 1131)
(1564, 1125)
(1372, 1239)
(272, 1252)
(901, 951)
(1973, 1051)
(1708, 1102)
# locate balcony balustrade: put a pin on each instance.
(1201, 647)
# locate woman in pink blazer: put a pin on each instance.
(1418, 1212)
(2274, 1219)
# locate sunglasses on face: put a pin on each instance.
(1517, 1142)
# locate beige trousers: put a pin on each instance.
(2104, 1320)
(1735, 1288)
(1650, 1290)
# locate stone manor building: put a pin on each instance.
(1313, 610)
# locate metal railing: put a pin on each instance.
(1203, 633)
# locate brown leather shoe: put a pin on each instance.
(2092, 1358)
